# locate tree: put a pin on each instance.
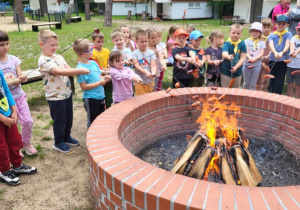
(68, 20)
(18, 7)
(108, 13)
(87, 9)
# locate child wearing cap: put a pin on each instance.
(199, 66)
(294, 66)
(184, 57)
(279, 43)
(234, 54)
(255, 51)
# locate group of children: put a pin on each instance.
(263, 57)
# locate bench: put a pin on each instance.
(34, 75)
(35, 27)
(75, 19)
(232, 19)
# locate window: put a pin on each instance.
(129, 4)
(194, 5)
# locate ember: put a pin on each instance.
(218, 151)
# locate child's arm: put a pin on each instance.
(153, 67)
(211, 62)
(226, 56)
(7, 120)
(285, 49)
(240, 63)
(272, 48)
(140, 69)
(120, 75)
(260, 55)
(102, 82)
(162, 61)
(69, 72)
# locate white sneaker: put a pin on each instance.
(10, 178)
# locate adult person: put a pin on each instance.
(283, 8)
(294, 16)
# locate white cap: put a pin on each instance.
(257, 26)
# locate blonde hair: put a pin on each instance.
(123, 26)
(81, 46)
(267, 22)
(191, 26)
(140, 33)
(150, 30)
(46, 34)
(236, 26)
(214, 34)
(116, 33)
(99, 35)
(114, 56)
(172, 30)
(159, 33)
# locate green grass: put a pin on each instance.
(1, 194)
(47, 138)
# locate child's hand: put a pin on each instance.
(137, 80)
(14, 116)
(128, 63)
(148, 75)
(278, 55)
(230, 57)
(23, 78)
(293, 54)
(251, 60)
(107, 78)
(9, 122)
(233, 69)
(265, 58)
(190, 60)
(163, 68)
(84, 71)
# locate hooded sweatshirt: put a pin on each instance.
(294, 17)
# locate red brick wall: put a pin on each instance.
(122, 181)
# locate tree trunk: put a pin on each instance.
(108, 13)
(68, 19)
(19, 10)
(87, 9)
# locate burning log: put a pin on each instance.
(201, 164)
(244, 173)
(227, 168)
(192, 148)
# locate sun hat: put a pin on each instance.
(196, 34)
(256, 26)
(180, 31)
(298, 26)
(282, 18)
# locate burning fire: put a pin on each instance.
(219, 119)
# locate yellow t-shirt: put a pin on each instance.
(101, 57)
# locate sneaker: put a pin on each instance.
(72, 142)
(10, 178)
(21, 154)
(24, 169)
(29, 149)
(62, 147)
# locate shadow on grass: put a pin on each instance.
(37, 101)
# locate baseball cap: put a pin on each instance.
(282, 18)
(256, 26)
(196, 34)
(180, 31)
(298, 26)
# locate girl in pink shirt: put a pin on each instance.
(122, 77)
(171, 43)
(280, 9)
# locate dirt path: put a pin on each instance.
(7, 24)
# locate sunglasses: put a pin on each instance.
(90, 50)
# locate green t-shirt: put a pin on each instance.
(226, 64)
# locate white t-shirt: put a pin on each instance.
(253, 51)
(295, 63)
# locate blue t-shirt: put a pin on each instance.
(6, 99)
(279, 48)
(226, 64)
(92, 77)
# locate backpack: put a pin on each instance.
(270, 14)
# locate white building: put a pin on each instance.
(170, 9)
(49, 5)
(254, 10)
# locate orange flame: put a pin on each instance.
(218, 120)
(212, 167)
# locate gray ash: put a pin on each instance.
(276, 165)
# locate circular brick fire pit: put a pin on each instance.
(120, 180)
